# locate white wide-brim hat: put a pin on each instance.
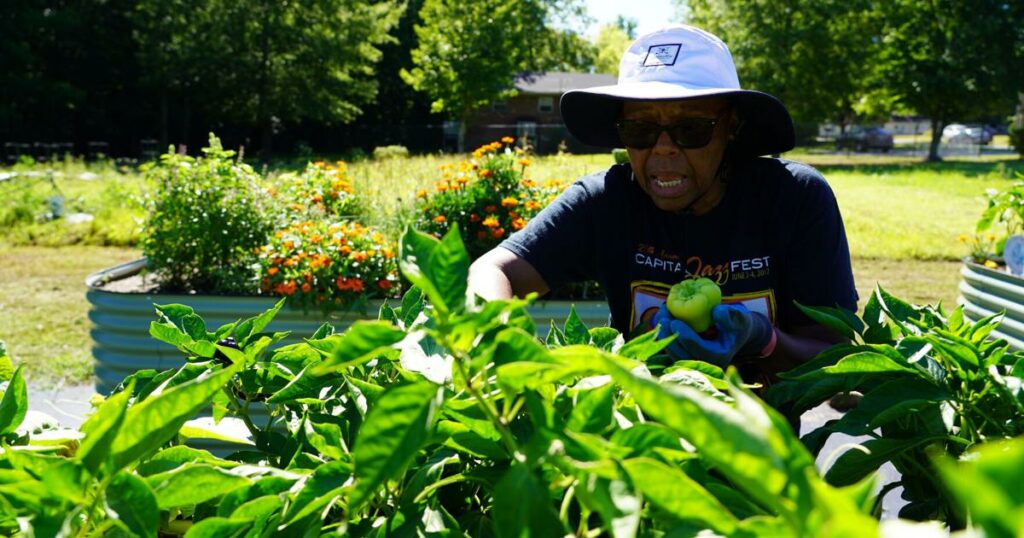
(675, 63)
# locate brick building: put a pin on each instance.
(533, 113)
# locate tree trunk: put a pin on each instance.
(164, 136)
(933, 148)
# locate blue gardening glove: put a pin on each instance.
(740, 332)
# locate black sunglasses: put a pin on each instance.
(688, 133)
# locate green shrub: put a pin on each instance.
(489, 197)
(389, 152)
(1017, 140)
(207, 217)
(620, 155)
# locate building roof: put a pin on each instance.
(555, 83)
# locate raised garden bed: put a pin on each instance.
(122, 300)
(985, 291)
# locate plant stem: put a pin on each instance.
(485, 405)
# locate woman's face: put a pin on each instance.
(680, 179)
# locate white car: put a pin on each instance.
(960, 134)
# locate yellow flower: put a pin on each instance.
(491, 222)
(524, 162)
(509, 202)
(962, 238)
(991, 264)
(508, 139)
(990, 238)
(440, 219)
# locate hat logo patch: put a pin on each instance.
(662, 55)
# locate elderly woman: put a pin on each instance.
(697, 199)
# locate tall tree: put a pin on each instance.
(812, 54)
(953, 59)
(267, 62)
(611, 42)
(469, 52)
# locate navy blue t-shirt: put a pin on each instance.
(775, 237)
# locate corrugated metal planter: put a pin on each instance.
(985, 291)
(122, 345)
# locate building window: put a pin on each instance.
(526, 132)
(499, 106)
(546, 104)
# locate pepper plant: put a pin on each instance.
(446, 416)
(933, 383)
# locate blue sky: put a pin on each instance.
(650, 14)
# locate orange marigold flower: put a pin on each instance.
(306, 287)
(509, 202)
(513, 215)
(357, 285)
(315, 238)
(491, 222)
(508, 139)
(517, 224)
(498, 232)
(486, 173)
(288, 245)
(384, 284)
(524, 162)
(422, 193)
(531, 205)
(345, 250)
(490, 208)
(317, 198)
(359, 256)
(528, 182)
(272, 271)
(440, 219)
(388, 253)
(473, 217)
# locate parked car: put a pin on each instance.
(958, 133)
(864, 139)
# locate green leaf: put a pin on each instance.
(605, 338)
(988, 483)
(174, 457)
(219, 527)
(522, 506)
(102, 428)
(360, 343)
(644, 346)
(744, 448)
(304, 385)
(855, 464)
(449, 270)
(593, 410)
(326, 438)
(14, 404)
(865, 362)
(840, 321)
(156, 420)
(644, 438)
(672, 490)
(323, 487)
(258, 323)
(265, 486)
(890, 401)
(574, 329)
(130, 500)
(414, 253)
(6, 366)
(512, 345)
(396, 427)
(193, 484)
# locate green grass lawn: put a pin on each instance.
(902, 217)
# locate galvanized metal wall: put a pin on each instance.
(985, 291)
(122, 344)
